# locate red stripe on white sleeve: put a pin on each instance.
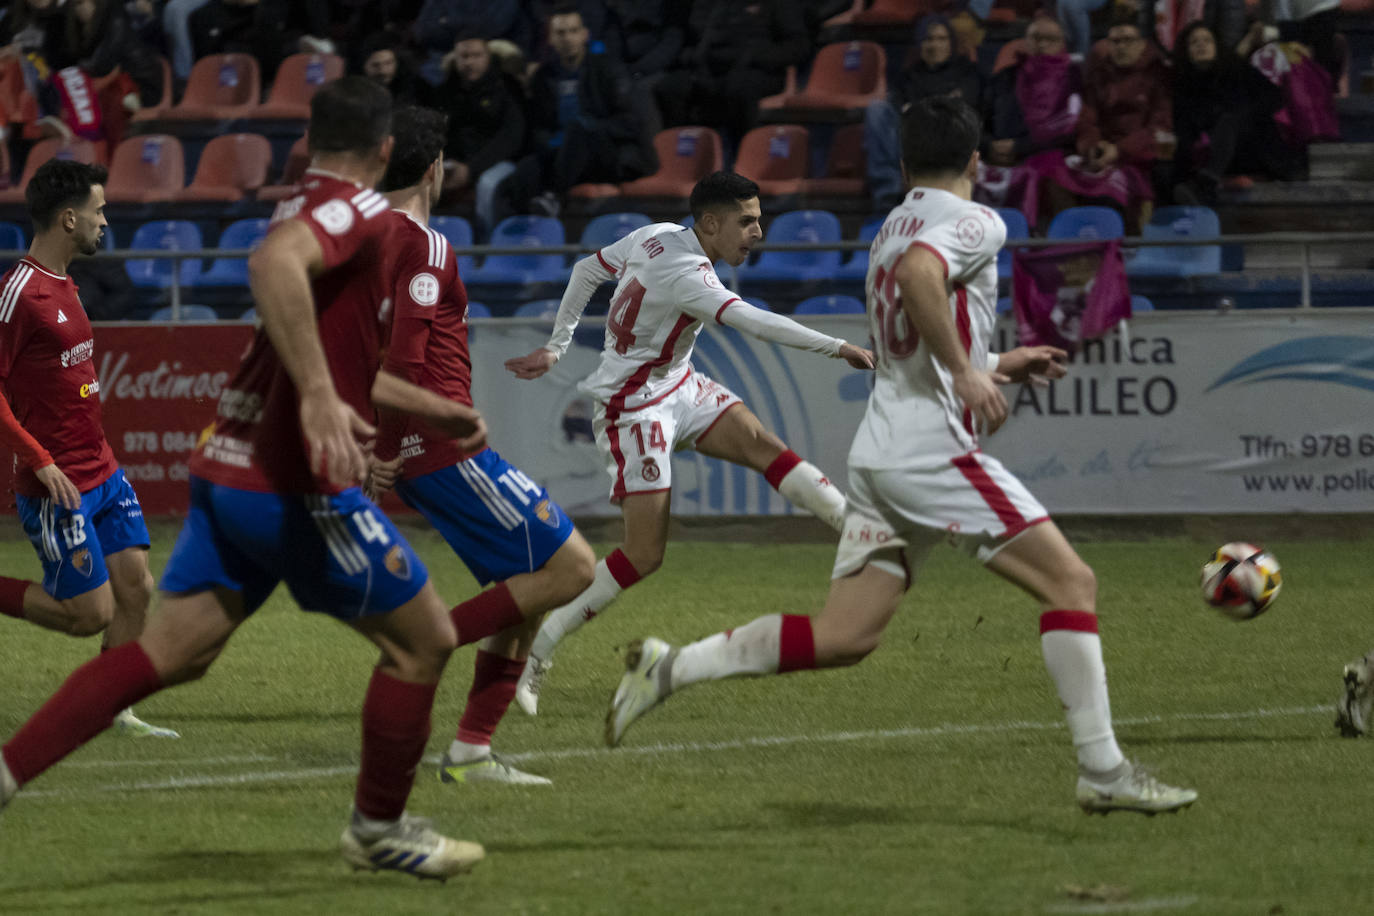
(720, 311)
(605, 264)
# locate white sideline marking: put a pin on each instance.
(1148, 905)
(189, 762)
(233, 779)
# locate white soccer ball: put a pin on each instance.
(1241, 580)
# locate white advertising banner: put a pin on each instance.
(1185, 412)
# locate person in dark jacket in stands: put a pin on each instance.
(385, 59)
(645, 37)
(98, 38)
(1033, 104)
(584, 127)
(486, 123)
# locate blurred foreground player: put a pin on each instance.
(651, 401)
(917, 477)
(503, 526)
(77, 508)
(274, 497)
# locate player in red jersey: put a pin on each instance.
(275, 497)
(77, 508)
(502, 525)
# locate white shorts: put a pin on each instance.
(971, 501)
(637, 445)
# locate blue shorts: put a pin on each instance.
(337, 554)
(498, 521)
(74, 560)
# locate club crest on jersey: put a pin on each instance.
(334, 216)
(81, 561)
(970, 232)
(397, 563)
(547, 512)
(650, 471)
(424, 289)
(708, 276)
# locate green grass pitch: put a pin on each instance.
(935, 778)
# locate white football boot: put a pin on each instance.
(409, 845)
(489, 768)
(646, 683)
(126, 723)
(530, 683)
(1352, 712)
(1130, 788)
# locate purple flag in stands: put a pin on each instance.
(1069, 293)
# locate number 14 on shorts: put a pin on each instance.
(657, 441)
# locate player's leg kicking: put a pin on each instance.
(506, 529)
(871, 575)
(703, 416)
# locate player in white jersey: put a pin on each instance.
(650, 401)
(917, 477)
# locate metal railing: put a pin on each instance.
(1304, 241)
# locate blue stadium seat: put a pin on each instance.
(250, 316)
(1017, 228)
(612, 227)
(12, 237)
(188, 313)
(166, 235)
(1004, 305)
(458, 231)
(797, 266)
(829, 305)
(478, 310)
(856, 268)
(1087, 223)
(533, 232)
(540, 308)
(1141, 304)
(1178, 260)
(242, 233)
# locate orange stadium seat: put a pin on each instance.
(231, 167)
(776, 157)
(297, 161)
(844, 76)
(685, 156)
(844, 165)
(893, 12)
(51, 148)
(146, 169)
(298, 77)
(221, 86)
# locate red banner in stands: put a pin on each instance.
(159, 384)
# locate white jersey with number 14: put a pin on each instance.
(913, 417)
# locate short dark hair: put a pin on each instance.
(58, 184)
(351, 114)
(720, 189)
(420, 134)
(939, 133)
(566, 8)
(1125, 18)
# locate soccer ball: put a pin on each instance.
(1241, 580)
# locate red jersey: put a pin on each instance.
(47, 365)
(429, 342)
(256, 442)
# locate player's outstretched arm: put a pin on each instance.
(925, 298)
(1033, 364)
(532, 365)
(460, 421)
(587, 274)
(279, 276)
(780, 329)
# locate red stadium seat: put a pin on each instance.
(593, 191)
(298, 77)
(221, 86)
(231, 167)
(776, 157)
(146, 169)
(685, 156)
(51, 148)
(297, 161)
(844, 165)
(893, 12)
(845, 76)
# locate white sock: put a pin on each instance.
(568, 618)
(807, 486)
(748, 650)
(1074, 660)
(369, 830)
(463, 752)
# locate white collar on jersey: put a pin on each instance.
(27, 259)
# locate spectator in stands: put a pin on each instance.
(1124, 128)
(585, 129)
(486, 123)
(742, 56)
(99, 39)
(1033, 105)
(1311, 22)
(269, 30)
(645, 37)
(1074, 17)
(440, 22)
(933, 69)
(29, 26)
(176, 27)
(1223, 118)
(386, 59)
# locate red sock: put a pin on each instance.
(780, 467)
(621, 569)
(490, 612)
(493, 687)
(12, 596)
(395, 729)
(83, 707)
(796, 644)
